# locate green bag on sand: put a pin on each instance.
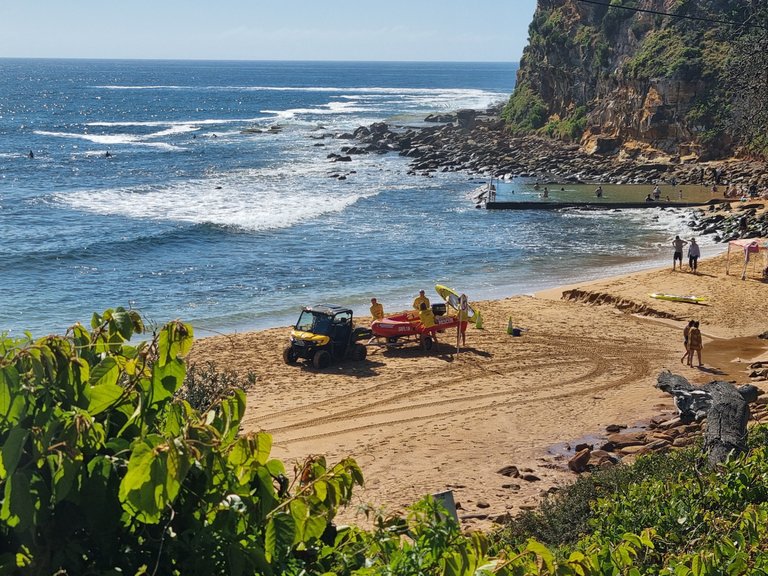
(479, 321)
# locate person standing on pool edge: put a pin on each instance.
(678, 244)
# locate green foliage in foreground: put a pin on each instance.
(102, 471)
(105, 468)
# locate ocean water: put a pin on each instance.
(218, 204)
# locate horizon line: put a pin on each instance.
(340, 61)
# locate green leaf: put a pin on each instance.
(541, 552)
(321, 490)
(278, 536)
(156, 470)
(12, 402)
(299, 510)
(105, 372)
(263, 446)
(314, 528)
(275, 467)
(140, 474)
(102, 397)
(10, 453)
(65, 470)
(632, 539)
(174, 341)
(123, 323)
(166, 380)
(18, 505)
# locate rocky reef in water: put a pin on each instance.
(480, 143)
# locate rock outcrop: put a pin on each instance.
(628, 82)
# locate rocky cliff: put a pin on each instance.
(625, 82)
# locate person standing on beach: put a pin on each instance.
(420, 299)
(694, 344)
(686, 335)
(678, 244)
(693, 255)
(377, 309)
(427, 319)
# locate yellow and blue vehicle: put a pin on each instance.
(325, 333)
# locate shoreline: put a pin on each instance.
(423, 423)
(714, 227)
(284, 319)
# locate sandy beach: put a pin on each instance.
(421, 423)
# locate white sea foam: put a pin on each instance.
(112, 139)
(254, 200)
(173, 130)
(332, 108)
(150, 123)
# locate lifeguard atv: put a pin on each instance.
(325, 333)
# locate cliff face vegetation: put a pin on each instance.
(637, 83)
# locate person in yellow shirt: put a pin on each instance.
(420, 299)
(377, 309)
(427, 319)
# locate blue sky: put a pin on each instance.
(427, 30)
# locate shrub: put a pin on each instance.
(564, 517)
(525, 110)
(103, 471)
(207, 386)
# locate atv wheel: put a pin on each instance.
(289, 356)
(321, 360)
(359, 352)
(428, 342)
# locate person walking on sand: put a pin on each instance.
(420, 299)
(694, 252)
(686, 335)
(678, 244)
(694, 344)
(377, 309)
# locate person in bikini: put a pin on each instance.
(694, 344)
(686, 332)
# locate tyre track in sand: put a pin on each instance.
(479, 368)
(633, 366)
